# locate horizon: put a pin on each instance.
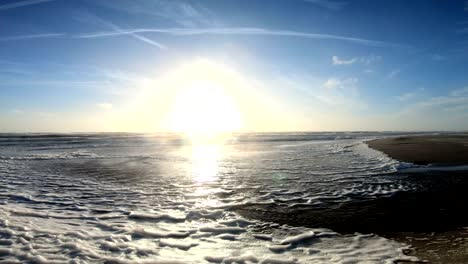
(233, 66)
(46, 133)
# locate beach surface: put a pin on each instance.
(432, 218)
(423, 150)
(448, 244)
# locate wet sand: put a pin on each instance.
(432, 218)
(449, 244)
(423, 150)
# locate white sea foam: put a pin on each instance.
(126, 240)
(120, 202)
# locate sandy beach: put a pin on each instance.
(432, 218)
(423, 150)
(448, 243)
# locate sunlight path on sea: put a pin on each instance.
(134, 199)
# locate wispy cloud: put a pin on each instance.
(328, 4)
(460, 92)
(190, 16)
(337, 83)
(405, 96)
(332, 83)
(370, 59)
(32, 36)
(52, 83)
(105, 106)
(335, 94)
(342, 92)
(95, 20)
(454, 101)
(11, 67)
(140, 37)
(185, 14)
(417, 93)
(338, 61)
(444, 101)
(466, 6)
(238, 31)
(18, 4)
(364, 60)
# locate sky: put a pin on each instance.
(287, 65)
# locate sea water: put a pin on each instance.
(159, 198)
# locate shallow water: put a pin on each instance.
(130, 198)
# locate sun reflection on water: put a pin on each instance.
(205, 160)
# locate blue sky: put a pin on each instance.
(312, 64)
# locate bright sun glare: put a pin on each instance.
(203, 108)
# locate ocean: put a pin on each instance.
(156, 198)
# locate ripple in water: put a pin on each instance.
(145, 199)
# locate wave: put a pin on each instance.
(126, 199)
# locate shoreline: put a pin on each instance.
(446, 150)
(431, 219)
(447, 154)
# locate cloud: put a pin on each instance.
(457, 108)
(466, 6)
(342, 92)
(52, 83)
(238, 31)
(370, 59)
(460, 92)
(22, 4)
(149, 41)
(32, 36)
(182, 13)
(144, 39)
(338, 61)
(410, 95)
(341, 95)
(447, 111)
(328, 4)
(364, 60)
(93, 19)
(443, 101)
(105, 106)
(189, 16)
(455, 100)
(332, 83)
(337, 83)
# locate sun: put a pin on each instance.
(203, 107)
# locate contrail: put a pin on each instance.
(32, 36)
(22, 4)
(238, 31)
